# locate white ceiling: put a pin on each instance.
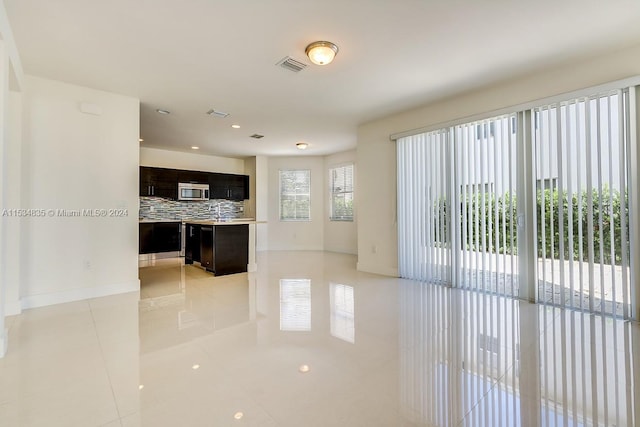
(192, 55)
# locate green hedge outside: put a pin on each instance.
(503, 221)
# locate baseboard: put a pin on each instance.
(42, 300)
(377, 269)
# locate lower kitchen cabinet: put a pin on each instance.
(156, 237)
(224, 249)
(192, 243)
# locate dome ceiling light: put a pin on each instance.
(321, 52)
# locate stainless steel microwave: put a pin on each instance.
(188, 191)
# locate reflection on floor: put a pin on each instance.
(309, 341)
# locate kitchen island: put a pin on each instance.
(221, 247)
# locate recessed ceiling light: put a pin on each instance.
(196, 366)
(302, 145)
(304, 369)
(141, 386)
(235, 126)
(140, 140)
(163, 111)
(238, 415)
(195, 147)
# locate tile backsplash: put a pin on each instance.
(159, 208)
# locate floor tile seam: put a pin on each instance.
(491, 388)
(104, 362)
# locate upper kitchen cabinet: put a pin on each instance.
(161, 182)
(227, 186)
(158, 182)
(193, 177)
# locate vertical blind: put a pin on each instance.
(582, 204)
(458, 221)
(423, 194)
(485, 172)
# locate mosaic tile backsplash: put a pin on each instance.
(158, 208)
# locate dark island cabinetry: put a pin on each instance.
(192, 243)
(220, 249)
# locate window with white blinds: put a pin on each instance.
(341, 188)
(295, 195)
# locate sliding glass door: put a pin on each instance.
(543, 191)
(582, 204)
(485, 176)
(424, 181)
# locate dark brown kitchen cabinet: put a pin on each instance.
(228, 186)
(192, 243)
(158, 182)
(193, 177)
(156, 237)
(163, 182)
(223, 249)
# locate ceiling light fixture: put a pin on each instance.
(321, 52)
(195, 148)
(235, 126)
(304, 369)
(163, 111)
(140, 140)
(302, 145)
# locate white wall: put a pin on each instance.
(75, 160)
(262, 202)
(250, 205)
(296, 235)
(376, 171)
(189, 161)
(13, 198)
(339, 236)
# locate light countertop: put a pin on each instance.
(230, 221)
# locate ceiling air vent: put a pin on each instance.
(257, 136)
(291, 64)
(217, 113)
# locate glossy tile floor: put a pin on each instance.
(308, 341)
